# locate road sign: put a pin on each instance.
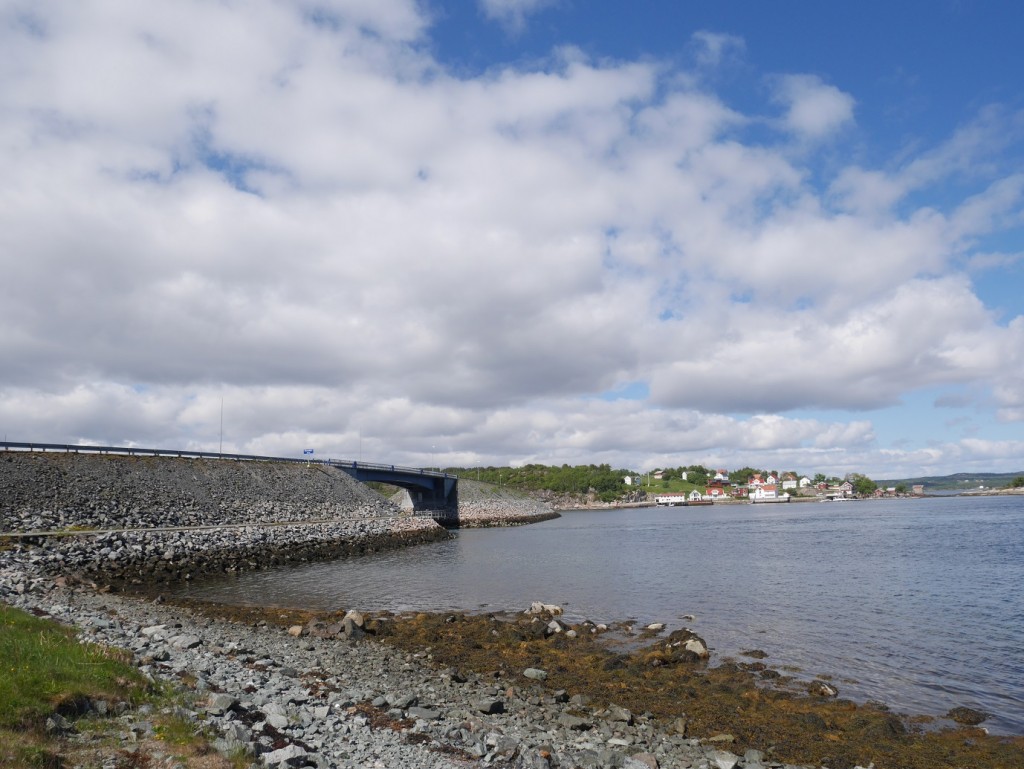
(307, 451)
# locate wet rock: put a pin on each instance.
(544, 608)
(554, 627)
(967, 716)
(822, 689)
(357, 618)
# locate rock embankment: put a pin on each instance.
(482, 504)
(303, 698)
(121, 519)
(144, 557)
(57, 491)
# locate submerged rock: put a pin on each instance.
(967, 716)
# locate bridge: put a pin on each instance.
(432, 492)
(428, 489)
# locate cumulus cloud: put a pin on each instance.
(513, 13)
(298, 211)
(814, 109)
(713, 47)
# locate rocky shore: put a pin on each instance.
(482, 505)
(280, 688)
(319, 696)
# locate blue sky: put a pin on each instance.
(506, 231)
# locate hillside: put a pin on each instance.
(957, 481)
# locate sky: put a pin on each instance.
(647, 234)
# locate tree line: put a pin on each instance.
(609, 483)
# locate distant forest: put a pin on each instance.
(579, 479)
(607, 482)
(959, 481)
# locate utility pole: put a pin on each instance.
(221, 451)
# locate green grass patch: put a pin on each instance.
(45, 669)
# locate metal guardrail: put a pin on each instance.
(70, 448)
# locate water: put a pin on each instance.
(917, 603)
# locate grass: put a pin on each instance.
(46, 670)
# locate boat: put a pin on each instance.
(678, 500)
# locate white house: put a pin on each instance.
(805, 482)
(766, 491)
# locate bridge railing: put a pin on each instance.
(71, 448)
(388, 468)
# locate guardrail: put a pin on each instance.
(70, 448)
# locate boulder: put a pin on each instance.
(489, 706)
(822, 689)
(288, 756)
(544, 608)
(722, 759)
(426, 714)
(619, 714)
(640, 761)
(967, 716)
(219, 704)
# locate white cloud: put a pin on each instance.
(513, 13)
(814, 109)
(714, 47)
(296, 208)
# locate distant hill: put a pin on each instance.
(957, 481)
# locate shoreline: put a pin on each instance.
(421, 691)
(455, 667)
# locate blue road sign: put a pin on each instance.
(307, 451)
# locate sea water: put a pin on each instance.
(918, 603)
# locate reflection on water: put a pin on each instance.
(914, 602)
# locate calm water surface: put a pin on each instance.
(917, 603)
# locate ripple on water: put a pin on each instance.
(919, 602)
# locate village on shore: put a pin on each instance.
(764, 486)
